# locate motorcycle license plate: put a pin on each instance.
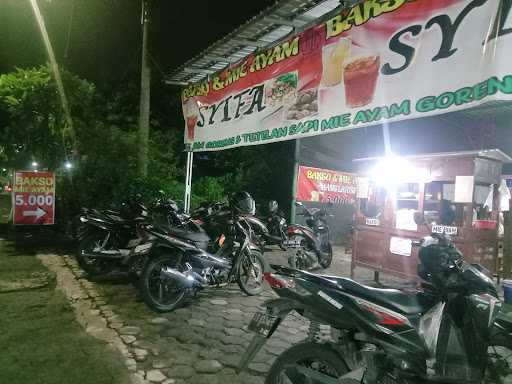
(291, 243)
(263, 324)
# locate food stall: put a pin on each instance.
(400, 200)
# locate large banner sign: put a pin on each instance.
(381, 60)
(33, 198)
(323, 185)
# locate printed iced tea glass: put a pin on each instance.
(191, 124)
(360, 78)
(333, 56)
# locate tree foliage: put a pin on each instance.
(103, 145)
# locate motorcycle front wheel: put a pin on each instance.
(250, 272)
(161, 295)
(499, 366)
(92, 266)
(292, 365)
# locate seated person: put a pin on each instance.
(447, 215)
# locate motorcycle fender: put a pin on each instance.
(304, 231)
(277, 307)
(280, 307)
(501, 332)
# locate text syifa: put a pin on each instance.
(233, 107)
(448, 29)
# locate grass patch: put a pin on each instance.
(41, 341)
(5, 206)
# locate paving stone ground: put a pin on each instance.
(202, 342)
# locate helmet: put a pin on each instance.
(272, 206)
(172, 205)
(437, 255)
(242, 202)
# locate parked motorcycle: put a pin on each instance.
(310, 244)
(454, 330)
(176, 269)
(169, 219)
(216, 220)
(105, 238)
(165, 212)
(276, 225)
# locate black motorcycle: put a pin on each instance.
(176, 269)
(216, 220)
(106, 238)
(165, 212)
(453, 330)
(310, 244)
(169, 219)
(277, 228)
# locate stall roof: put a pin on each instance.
(284, 18)
(495, 154)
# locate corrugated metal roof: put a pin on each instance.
(494, 153)
(284, 18)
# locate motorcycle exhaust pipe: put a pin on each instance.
(187, 279)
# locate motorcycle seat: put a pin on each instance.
(194, 236)
(394, 299)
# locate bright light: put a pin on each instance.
(68, 165)
(34, 164)
(4, 170)
(393, 170)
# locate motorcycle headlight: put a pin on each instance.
(83, 219)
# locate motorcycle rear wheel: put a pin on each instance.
(93, 267)
(326, 262)
(159, 295)
(318, 357)
(303, 257)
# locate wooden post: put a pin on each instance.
(507, 245)
(296, 158)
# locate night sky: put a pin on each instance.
(105, 35)
(104, 42)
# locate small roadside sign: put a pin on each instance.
(33, 198)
